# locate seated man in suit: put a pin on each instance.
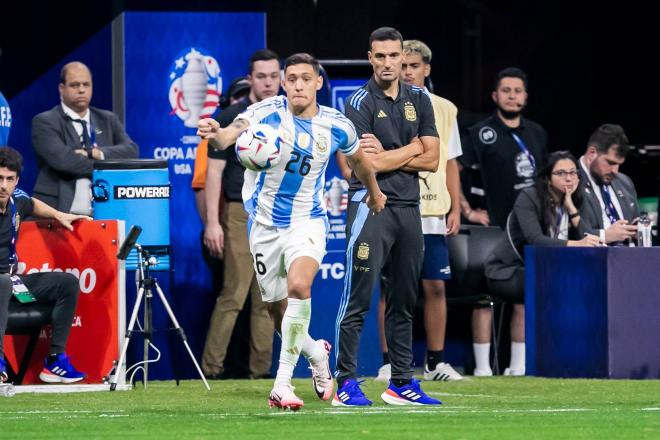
(58, 289)
(610, 206)
(68, 139)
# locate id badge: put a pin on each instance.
(21, 293)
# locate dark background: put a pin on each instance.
(587, 64)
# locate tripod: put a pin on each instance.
(146, 285)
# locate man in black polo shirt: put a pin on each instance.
(397, 128)
(227, 236)
(58, 289)
(508, 149)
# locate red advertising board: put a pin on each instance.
(89, 253)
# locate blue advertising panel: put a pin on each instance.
(176, 66)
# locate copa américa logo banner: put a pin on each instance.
(177, 65)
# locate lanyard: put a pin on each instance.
(13, 258)
(610, 210)
(524, 149)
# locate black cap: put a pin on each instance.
(238, 88)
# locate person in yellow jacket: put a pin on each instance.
(440, 209)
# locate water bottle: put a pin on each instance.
(7, 390)
(644, 230)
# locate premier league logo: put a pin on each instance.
(195, 86)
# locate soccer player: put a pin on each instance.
(288, 222)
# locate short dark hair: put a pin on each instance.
(510, 72)
(262, 55)
(608, 135)
(303, 58)
(11, 159)
(384, 34)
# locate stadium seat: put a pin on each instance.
(468, 287)
(26, 319)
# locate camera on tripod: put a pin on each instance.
(147, 283)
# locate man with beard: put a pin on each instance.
(506, 146)
(508, 149)
(610, 197)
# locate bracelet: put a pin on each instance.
(575, 214)
(89, 153)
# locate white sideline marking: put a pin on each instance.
(463, 395)
(650, 409)
(70, 388)
(410, 410)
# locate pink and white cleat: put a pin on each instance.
(282, 396)
(322, 380)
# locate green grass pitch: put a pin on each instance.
(478, 408)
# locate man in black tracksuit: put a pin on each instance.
(397, 128)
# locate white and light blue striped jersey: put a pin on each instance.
(292, 191)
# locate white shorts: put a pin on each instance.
(274, 249)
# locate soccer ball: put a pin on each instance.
(258, 147)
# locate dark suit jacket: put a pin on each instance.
(55, 140)
(591, 214)
(524, 228)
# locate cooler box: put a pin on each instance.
(138, 192)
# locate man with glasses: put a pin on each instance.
(68, 138)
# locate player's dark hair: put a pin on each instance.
(302, 58)
(11, 159)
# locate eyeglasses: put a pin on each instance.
(564, 173)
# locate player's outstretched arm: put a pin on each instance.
(429, 159)
(220, 138)
(365, 172)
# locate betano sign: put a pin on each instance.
(88, 253)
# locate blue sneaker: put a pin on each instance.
(350, 394)
(4, 377)
(60, 371)
(411, 394)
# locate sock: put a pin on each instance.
(400, 382)
(294, 329)
(482, 356)
(312, 351)
(386, 357)
(517, 356)
(433, 358)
